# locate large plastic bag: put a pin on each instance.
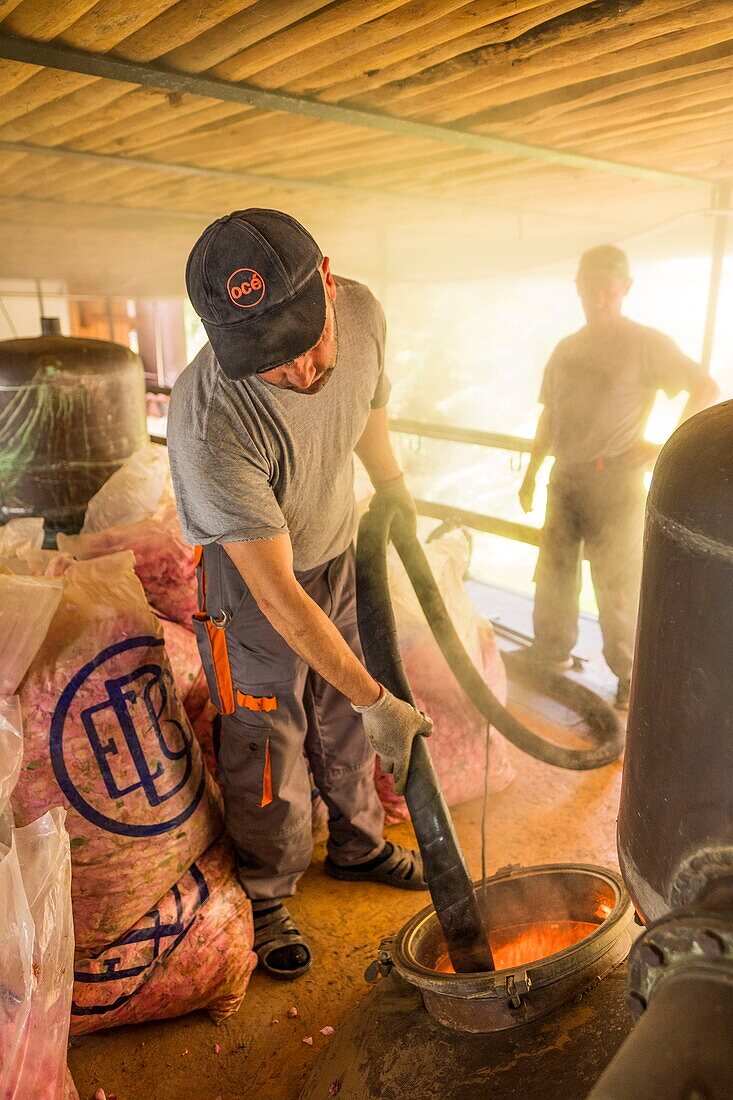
(193, 691)
(20, 535)
(36, 961)
(11, 755)
(132, 493)
(27, 605)
(106, 737)
(135, 510)
(458, 743)
(193, 950)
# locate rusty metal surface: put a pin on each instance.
(390, 1049)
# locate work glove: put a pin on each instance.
(396, 490)
(391, 725)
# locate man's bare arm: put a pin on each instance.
(704, 391)
(266, 566)
(375, 449)
(538, 454)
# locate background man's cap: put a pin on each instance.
(606, 259)
(254, 279)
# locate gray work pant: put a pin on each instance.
(288, 717)
(601, 511)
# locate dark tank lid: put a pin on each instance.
(693, 478)
(20, 359)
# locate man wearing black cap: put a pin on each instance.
(262, 428)
(598, 390)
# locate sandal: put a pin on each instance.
(276, 935)
(394, 866)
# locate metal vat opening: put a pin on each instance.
(554, 931)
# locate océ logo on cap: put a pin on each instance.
(246, 287)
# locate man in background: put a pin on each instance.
(598, 390)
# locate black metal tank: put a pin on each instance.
(675, 826)
(71, 412)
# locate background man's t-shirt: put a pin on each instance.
(251, 461)
(600, 388)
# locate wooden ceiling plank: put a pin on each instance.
(632, 112)
(601, 91)
(252, 129)
(179, 132)
(68, 108)
(41, 89)
(622, 112)
(603, 64)
(367, 44)
(140, 112)
(158, 113)
(388, 154)
(94, 182)
(110, 22)
(15, 73)
(9, 161)
(240, 31)
(72, 180)
(600, 56)
(19, 167)
(405, 58)
(659, 139)
(316, 30)
(43, 21)
(77, 129)
(585, 35)
(657, 126)
(7, 6)
(374, 173)
(177, 27)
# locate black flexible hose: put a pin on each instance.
(445, 867)
(600, 717)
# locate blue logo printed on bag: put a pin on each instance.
(141, 751)
(130, 960)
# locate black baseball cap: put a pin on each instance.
(254, 279)
(606, 259)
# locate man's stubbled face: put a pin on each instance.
(310, 372)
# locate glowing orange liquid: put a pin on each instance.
(527, 943)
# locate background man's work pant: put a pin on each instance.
(284, 713)
(601, 511)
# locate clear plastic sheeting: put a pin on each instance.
(19, 536)
(132, 493)
(135, 510)
(36, 961)
(27, 606)
(11, 755)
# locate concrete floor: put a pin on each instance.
(545, 816)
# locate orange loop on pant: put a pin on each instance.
(255, 702)
(267, 778)
(222, 670)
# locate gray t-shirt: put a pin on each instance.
(251, 461)
(599, 388)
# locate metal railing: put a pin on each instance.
(478, 521)
(449, 513)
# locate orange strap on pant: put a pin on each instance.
(267, 778)
(217, 645)
(255, 702)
